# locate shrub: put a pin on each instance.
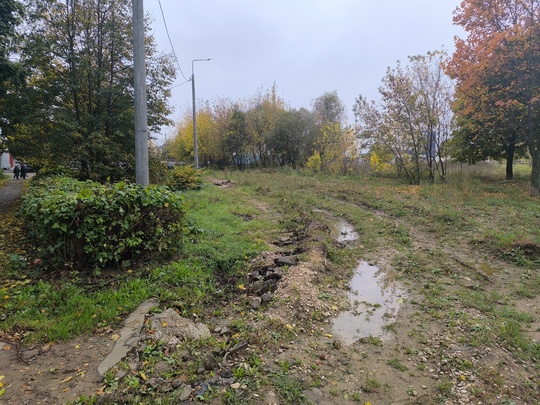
(158, 170)
(184, 178)
(89, 225)
(314, 163)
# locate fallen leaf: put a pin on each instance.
(164, 324)
(143, 376)
(329, 335)
(2, 391)
(241, 287)
(114, 337)
(67, 379)
(77, 346)
(7, 347)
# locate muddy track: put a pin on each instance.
(428, 356)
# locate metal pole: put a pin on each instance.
(195, 142)
(142, 176)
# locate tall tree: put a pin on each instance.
(331, 140)
(289, 137)
(11, 75)
(264, 108)
(329, 109)
(237, 138)
(80, 97)
(497, 78)
(413, 120)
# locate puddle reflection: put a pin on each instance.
(375, 303)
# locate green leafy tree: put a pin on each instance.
(11, 74)
(237, 138)
(289, 137)
(80, 94)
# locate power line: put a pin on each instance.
(170, 42)
(178, 85)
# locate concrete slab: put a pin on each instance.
(129, 336)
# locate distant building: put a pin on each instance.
(6, 160)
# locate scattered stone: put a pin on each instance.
(314, 395)
(167, 386)
(184, 393)
(273, 275)
(268, 286)
(161, 367)
(225, 331)
(253, 339)
(255, 302)
(201, 390)
(222, 183)
(270, 398)
(283, 241)
(169, 324)
(267, 297)
(235, 386)
(286, 261)
(155, 382)
(210, 363)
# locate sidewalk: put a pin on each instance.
(10, 192)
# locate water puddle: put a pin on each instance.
(375, 302)
(340, 230)
(343, 232)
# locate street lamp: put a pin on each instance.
(195, 145)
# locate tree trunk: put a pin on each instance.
(535, 175)
(510, 152)
(534, 151)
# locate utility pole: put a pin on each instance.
(195, 142)
(142, 175)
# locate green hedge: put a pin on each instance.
(89, 226)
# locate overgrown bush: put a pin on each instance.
(158, 170)
(184, 178)
(90, 226)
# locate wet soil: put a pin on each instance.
(400, 347)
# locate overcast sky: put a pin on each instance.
(305, 47)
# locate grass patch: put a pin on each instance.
(217, 248)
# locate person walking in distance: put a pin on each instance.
(24, 170)
(16, 171)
